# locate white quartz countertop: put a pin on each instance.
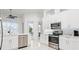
(69, 36)
(23, 34)
(13, 35)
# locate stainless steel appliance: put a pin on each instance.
(54, 37)
(54, 41)
(56, 25)
(1, 34)
(76, 33)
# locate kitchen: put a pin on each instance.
(69, 27)
(43, 29)
(56, 29)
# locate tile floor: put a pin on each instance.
(36, 45)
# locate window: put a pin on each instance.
(10, 28)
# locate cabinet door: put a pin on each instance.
(25, 41)
(75, 44)
(15, 42)
(7, 43)
(60, 43)
(20, 39)
(64, 43)
(67, 43)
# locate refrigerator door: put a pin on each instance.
(1, 34)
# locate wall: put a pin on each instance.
(20, 25)
(50, 16)
(33, 17)
(68, 18)
(11, 41)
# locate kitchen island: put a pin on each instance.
(22, 41)
(11, 42)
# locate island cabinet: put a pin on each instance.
(22, 41)
(10, 42)
(69, 43)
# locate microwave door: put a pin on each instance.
(1, 34)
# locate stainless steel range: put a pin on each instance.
(53, 42)
(54, 37)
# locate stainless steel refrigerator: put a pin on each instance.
(1, 34)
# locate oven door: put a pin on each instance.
(54, 39)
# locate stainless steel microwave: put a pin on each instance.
(56, 25)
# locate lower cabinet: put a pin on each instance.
(22, 41)
(62, 43)
(14, 42)
(7, 43)
(75, 44)
(68, 43)
(10, 42)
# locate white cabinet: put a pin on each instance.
(75, 44)
(6, 43)
(69, 43)
(10, 42)
(63, 43)
(14, 42)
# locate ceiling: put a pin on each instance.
(25, 11)
(19, 12)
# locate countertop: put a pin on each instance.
(69, 36)
(23, 34)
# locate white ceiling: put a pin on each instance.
(19, 12)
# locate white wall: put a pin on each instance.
(47, 20)
(11, 41)
(33, 17)
(68, 18)
(20, 25)
(18, 20)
